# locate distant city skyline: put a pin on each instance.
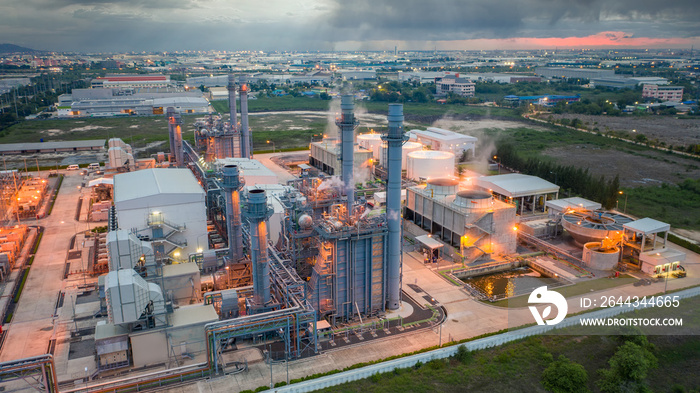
(170, 25)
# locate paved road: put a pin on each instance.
(32, 324)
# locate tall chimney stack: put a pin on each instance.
(246, 149)
(175, 133)
(394, 139)
(232, 186)
(232, 101)
(257, 213)
(347, 124)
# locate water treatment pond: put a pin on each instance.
(510, 283)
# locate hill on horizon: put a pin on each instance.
(12, 48)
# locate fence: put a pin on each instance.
(483, 343)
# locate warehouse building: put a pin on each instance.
(573, 73)
(165, 206)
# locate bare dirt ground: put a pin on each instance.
(675, 131)
(653, 168)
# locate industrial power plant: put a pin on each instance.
(210, 255)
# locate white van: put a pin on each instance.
(73, 167)
(94, 165)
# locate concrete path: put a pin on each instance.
(33, 321)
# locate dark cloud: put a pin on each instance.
(123, 25)
(465, 19)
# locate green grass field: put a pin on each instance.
(289, 103)
(273, 104)
(136, 130)
(518, 366)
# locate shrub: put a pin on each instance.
(463, 354)
(565, 376)
(628, 370)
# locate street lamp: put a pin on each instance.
(498, 161)
(618, 202)
(273, 146)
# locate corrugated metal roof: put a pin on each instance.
(515, 185)
(429, 242)
(648, 226)
(574, 202)
(156, 181)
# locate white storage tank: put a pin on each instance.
(371, 142)
(430, 164)
(408, 147)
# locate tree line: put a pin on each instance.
(577, 181)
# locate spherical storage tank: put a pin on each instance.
(429, 164)
(371, 142)
(407, 148)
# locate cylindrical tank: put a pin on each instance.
(371, 142)
(407, 148)
(600, 259)
(590, 226)
(429, 164)
(442, 187)
(473, 199)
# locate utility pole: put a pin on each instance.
(271, 384)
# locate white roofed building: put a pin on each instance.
(528, 193)
(165, 206)
(252, 171)
(445, 140)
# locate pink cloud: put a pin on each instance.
(605, 39)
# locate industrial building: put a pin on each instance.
(357, 74)
(663, 93)
(326, 156)
(454, 84)
(573, 73)
(217, 139)
(444, 140)
(167, 208)
(528, 193)
(545, 100)
(130, 81)
(471, 220)
(130, 101)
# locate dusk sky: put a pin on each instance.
(169, 25)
